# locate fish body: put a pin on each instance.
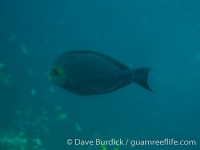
(90, 73)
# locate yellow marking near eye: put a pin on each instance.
(60, 71)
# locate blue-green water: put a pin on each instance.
(162, 35)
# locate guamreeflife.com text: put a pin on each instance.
(131, 142)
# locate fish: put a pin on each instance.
(85, 72)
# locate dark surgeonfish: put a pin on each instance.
(88, 73)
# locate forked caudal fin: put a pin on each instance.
(140, 77)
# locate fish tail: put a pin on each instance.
(140, 77)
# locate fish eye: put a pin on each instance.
(55, 71)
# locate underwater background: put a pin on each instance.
(162, 35)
